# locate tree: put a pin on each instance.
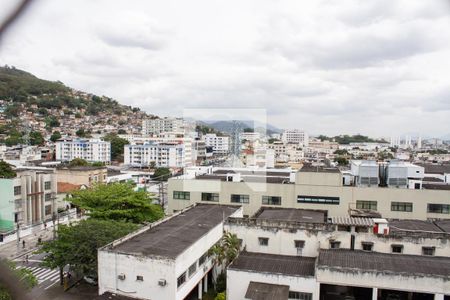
(36, 138)
(272, 140)
(225, 251)
(162, 174)
(81, 133)
(76, 245)
(23, 275)
(55, 136)
(78, 162)
(6, 170)
(221, 296)
(117, 201)
(248, 129)
(342, 161)
(51, 121)
(117, 146)
(121, 131)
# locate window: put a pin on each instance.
(48, 197)
(240, 198)
(202, 259)
(181, 279)
(192, 269)
(367, 246)
(318, 200)
(428, 250)
(299, 296)
(47, 185)
(397, 248)
(140, 278)
(271, 200)
(299, 245)
(181, 195)
(362, 204)
(335, 244)
(17, 190)
(439, 208)
(402, 206)
(263, 241)
(48, 210)
(213, 197)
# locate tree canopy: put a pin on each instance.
(77, 245)
(6, 170)
(78, 162)
(117, 201)
(36, 138)
(55, 136)
(162, 174)
(117, 146)
(23, 275)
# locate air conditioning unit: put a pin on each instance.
(121, 276)
(162, 282)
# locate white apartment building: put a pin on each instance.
(161, 154)
(303, 254)
(165, 260)
(93, 150)
(310, 188)
(295, 136)
(27, 199)
(158, 126)
(219, 144)
(250, 136)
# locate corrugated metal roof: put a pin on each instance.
(267, 291)
(350, 221)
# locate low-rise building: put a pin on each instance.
(219, 144)
(166, 260)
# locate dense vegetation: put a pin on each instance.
(347, 139)
(6, 170)
(119, 202)
(117, 146)
(22, 275)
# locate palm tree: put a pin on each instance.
(224, 251)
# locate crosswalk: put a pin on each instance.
(43, 274)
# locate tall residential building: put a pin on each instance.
(163, 154)
(29, 198)
(219, 144)
(90, 150)
(295, 136)
(157, 126)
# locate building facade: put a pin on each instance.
(219, 144)
(27, 199)
(157, 126)
(89, 150)
(166, 154)
(295, 136)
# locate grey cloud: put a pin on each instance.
(132, 39)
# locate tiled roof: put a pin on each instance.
(66, 187)
(413, 225)
(410, 265)
(274, 264)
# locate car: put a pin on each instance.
(90, 279)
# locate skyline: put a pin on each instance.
(312, 66)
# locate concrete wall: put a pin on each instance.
(111, 264)
(348, 196)
(77, 176)
(238, 281)
(281, 240)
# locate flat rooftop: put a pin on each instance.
(173, 236)
(313, 169)
(255, 173)
(410, 265)
(275, 264)
(264, 179)
(291, 215)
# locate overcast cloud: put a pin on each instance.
(378, 67)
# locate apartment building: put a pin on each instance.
(157, 126)
(162, 154)
(309, 188)
(303, 254)
(295, 136)
(27, 199)
(165, 260)
(219, 144)
(93, 150)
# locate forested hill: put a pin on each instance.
(20, 87)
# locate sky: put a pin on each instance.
(379, 68)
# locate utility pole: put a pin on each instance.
(18, 235)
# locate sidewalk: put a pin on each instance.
(10, 251)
